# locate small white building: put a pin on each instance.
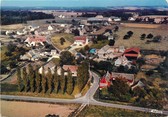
(81, 40)
(50, 28)
(113, 18)
(122, 60)
(131, 19)
(50, 65)
(73, 69)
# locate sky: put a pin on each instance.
(82, 3)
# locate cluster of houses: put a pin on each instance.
(92, 28)
(121, 57)
(52, 66)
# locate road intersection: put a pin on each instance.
(86, 99)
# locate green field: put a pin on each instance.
(99, 111)
(68, 40)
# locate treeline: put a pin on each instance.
(30, 80)
(14, 17)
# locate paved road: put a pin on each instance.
(87, 98)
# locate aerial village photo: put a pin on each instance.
(84, 58)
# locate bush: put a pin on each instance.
(130, 33)
(143, 36)
(157, 38)
(149, 36)
(126, 37)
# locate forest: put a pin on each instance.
(15, 17)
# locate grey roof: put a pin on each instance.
(50, 65)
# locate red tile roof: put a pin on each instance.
(131, 55)
(137, 50)
(37, 39)
(72, 68)
(83, 38)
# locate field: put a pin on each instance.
(99, 111)
(135, 40)
(135, 25)
(100, 44)
(29, 109)
(12, 27)
(68, 40)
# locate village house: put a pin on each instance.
(132, 53)
(102, 33)
(107, 79)
(81, 40)
(32, 55)
(35, 40)
(50, 28)
(138, 84)
(122, 60)
(73, 69)
(49, 65)
(110, 52)
(113, 18)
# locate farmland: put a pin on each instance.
(29, 109)
(135, 40)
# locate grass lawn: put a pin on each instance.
(135, 40)
(68, 40)
(100, 44)
(2, 53)
(100, 111)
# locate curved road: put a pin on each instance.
(86, 99)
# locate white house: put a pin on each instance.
(73, 69)
(131, 19)
(50, 65)
(122, 60)
(50, 28)
(81, 40)
(113, 18)
(34, 40)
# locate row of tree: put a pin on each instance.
(30, 80)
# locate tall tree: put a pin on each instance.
(25, 79)
(62, 81)
(83, 75)
(66, 58)
(38, 82)
(19, 79)
(56, 80)
(43, 81)
(31, 77)
(50, 80)
(69, 83)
